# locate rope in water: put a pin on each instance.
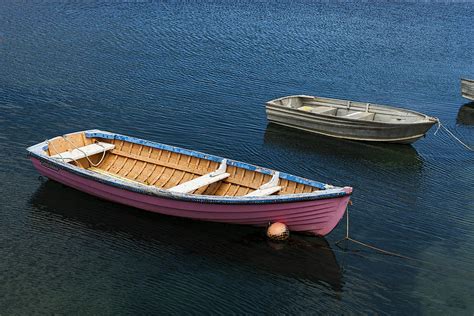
(348, 238)
(451, 134)
(390, 253)
(386, 252)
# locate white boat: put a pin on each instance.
(467, 88)
(349, 119)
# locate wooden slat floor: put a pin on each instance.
(165, 169)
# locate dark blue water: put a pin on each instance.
(196, 74)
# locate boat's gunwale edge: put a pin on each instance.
(324, 193)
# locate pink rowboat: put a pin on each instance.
(180, 182)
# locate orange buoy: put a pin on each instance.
(278, 231)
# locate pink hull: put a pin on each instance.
(315, 216)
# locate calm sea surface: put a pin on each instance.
(196, 74)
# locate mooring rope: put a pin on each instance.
(348, 238)
(451, 134)
(440, 267)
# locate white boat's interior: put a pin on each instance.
(350, 110)
(168, 169)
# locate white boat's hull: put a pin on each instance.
(467, 89)
(340, 127)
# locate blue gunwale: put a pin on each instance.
(38, 151)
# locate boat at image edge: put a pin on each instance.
(467, 88)
(349, 119)
(180, 182)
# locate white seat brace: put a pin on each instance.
(82, 152)
(202, 181)
(268, 188)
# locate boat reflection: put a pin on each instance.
(341, 149)
(305, 258)
(466, 114)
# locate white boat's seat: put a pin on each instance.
(268, 188)
(360, 116)
(84, 151)
(326, 110)
(202, 181)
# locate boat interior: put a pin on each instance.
(167, 169)
(349, 109)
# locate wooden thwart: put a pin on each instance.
(85, 151)
(202, 181)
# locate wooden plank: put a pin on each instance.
(126, 166)
(57, 145)
(179, 178)
(160, 170)
(156, 170)
(151, 167)
(245, 178)
(102, 171)
(144, 164)
(203, 180)
(145, 180)
(122, 159)
(164, 177)
(174, 179)
(171, 181)
(134, 163)
(187, 177)
(199, 182)
(291, 188)
(308, 189)
(213, 188)
(183, 167)
(241, 191)
(298, 188)
(220, 190)
(84, 151)
(242, 180)
(191, 168)
(108, 165)
(258, 180)
(234, 188)
(284, 184)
